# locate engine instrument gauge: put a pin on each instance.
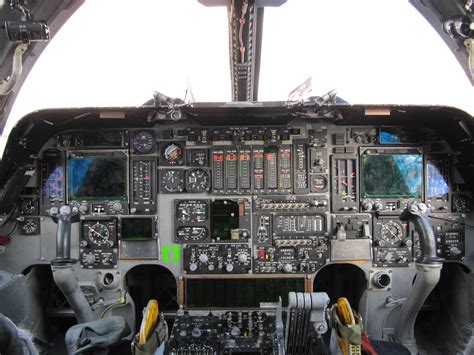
(197, 180)
(173, 153)
(29, 206)
(143, 142)
(192, 211)
(30, 226)
(391, 232)
(172, 181)
(99, 235)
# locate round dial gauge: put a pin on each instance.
(318, 183)
(29, 206)
(191, 212)
(172, 181)
(173, 153)
(30, 226)
(99, 234)
(194, 234)
(197, 180)
(392, 232)
(143, 142)
(461, 203)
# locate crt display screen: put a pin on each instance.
(137, 229)
(97, 178)
(391, 176)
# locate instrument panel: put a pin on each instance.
(258, 200)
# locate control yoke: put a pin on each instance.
(63, 265)
(428, 273)
(418, 214)
(64, 216)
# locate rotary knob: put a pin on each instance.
(193, 267)
(287, 268)
(229, 267)
(235, 331)
(454, 251)
(83, 208)
(116, 206)
(203, 258)
(378, 206)
(367, 205)
(89, 259)
(243, 258)
(196, 332)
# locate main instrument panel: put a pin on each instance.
(252, 200)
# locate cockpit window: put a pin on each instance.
(370, 51)
(112, 53)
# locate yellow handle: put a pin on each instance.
(150, 317)
(344, 311)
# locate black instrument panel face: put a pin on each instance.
(262, 200)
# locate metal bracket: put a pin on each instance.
(470, 49)
(7, 84)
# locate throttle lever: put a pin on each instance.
(418, 213)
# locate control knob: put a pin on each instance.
(454, 251)
(229, 267)
(196, 332)
(243, 258)
(367, 205)
(378, 206)
(193, 267)
(235, 331)
(89, 259)
(83, 209)
(203, 258)
(288, 268)
(116, 206)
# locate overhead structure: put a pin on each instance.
(245, 43)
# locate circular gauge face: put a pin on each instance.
(173, 153)
(99, 234)
(143, 142)
(192, 212)
(30, 226)
(172, 181)
(461, 203)
(197, 180)
(29, 206)
(187, 234)
(392, 232)
(318, 183)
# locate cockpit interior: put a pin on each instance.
(294, 227)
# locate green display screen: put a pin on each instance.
(224, 218)
(391, 175)
(137, 229)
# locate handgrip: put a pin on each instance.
(418, 214)
(64, 216)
